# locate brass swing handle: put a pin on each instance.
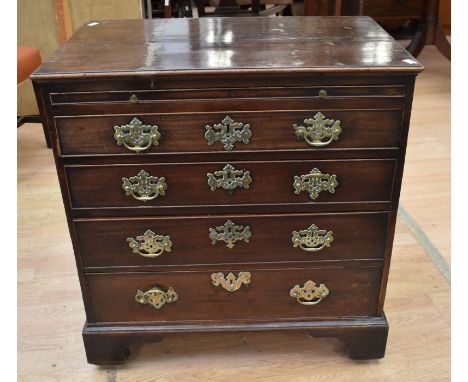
(310, 293)
(315, 130)
(156, 297)
(136, 136)
(149, 244)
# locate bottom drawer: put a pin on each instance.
(266, 294)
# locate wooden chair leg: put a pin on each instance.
(442, 43)
(149, 9)
(337, 8)
(287, 11)
(200, 5)
(417, 43)
(21, 120)
(430, 32)
(47, 136)
(256, 7)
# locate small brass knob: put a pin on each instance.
(323, 93)
(133, 98)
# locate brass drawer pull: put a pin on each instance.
(229, 232)
(144, 187)
(230, 282)
(149, 244)
(312, 239)
(310, 292)
(156, 297)
(323, 93)
(315, 130)
(136, 136)
(314, 182)
(228, 132)
(229, 179)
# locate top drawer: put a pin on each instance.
(223, 132)
(229, 113)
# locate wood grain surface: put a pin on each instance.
(272, 183)
(353, 292)
(103, 241)
(155, 46)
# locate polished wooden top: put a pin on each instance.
(253, 44)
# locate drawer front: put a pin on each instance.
(231, 239)
(230, 104)
(242, 183)
(261, 294)
(144, 95)
(272, 130)
(356, 84)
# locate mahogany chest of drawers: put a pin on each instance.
(230, 174)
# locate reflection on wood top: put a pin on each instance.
(258, 44)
